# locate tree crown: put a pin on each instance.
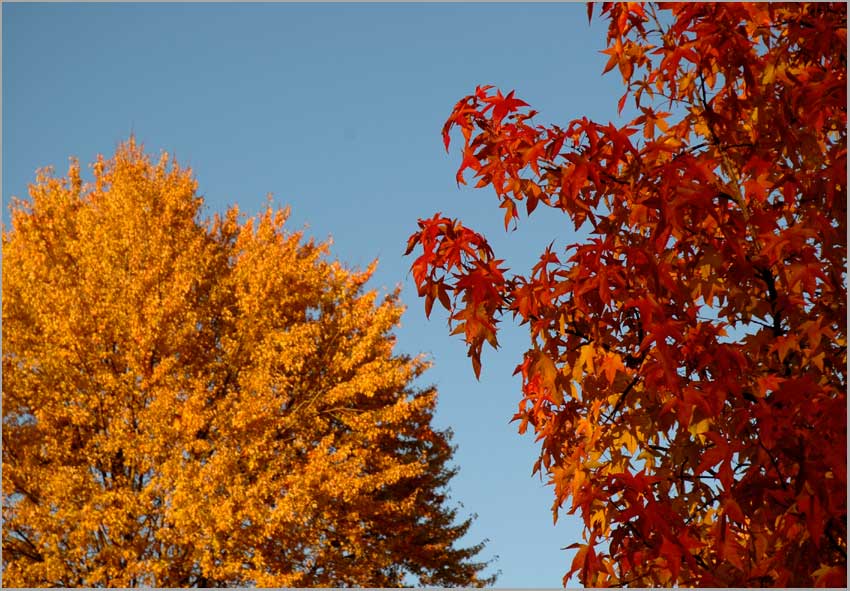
(207, 403)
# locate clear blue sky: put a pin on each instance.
(336, 110)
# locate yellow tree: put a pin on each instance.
(207, 403)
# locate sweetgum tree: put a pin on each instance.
(687, 371)
(214, 403)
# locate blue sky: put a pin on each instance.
(336, 110)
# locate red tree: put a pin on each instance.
(687, 369)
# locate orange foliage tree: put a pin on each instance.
(212, 403)
(686, 375)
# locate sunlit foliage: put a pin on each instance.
(207, 403)
(687, 372)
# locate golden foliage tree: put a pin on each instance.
(211, 403)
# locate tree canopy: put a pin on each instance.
(687, 370)
(207, 403)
